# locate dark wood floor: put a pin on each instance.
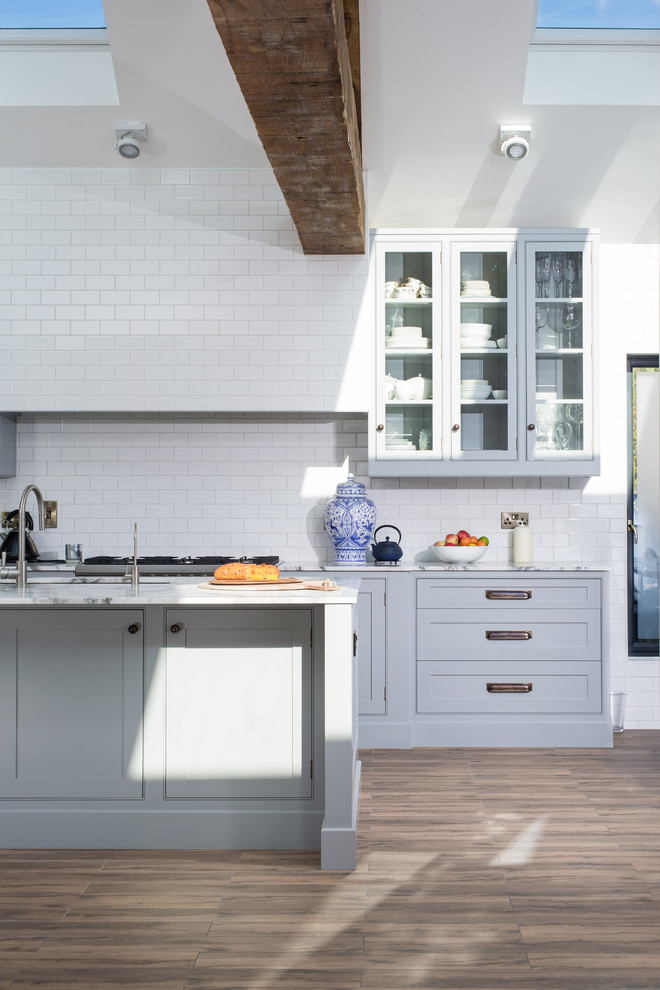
(488, 869)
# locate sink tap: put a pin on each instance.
(132, 570)
(20, 572)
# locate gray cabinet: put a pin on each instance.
(71, 703)
(7, 446)
(238, 703)
(516, 649)
(371, 646)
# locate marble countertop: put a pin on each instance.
(47, 590)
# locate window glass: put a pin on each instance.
(59, 14)
(599, 14)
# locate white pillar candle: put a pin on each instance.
(522, 545)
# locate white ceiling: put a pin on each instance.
(438, 77)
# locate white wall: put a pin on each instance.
(234, 460)
(180, 289)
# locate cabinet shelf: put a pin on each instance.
(408, 301)
(560, 301)
(483, 350)
(409, 402)
(405, 351)
(483, 301)
(560, 352)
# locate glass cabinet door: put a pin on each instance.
(408, 346)
(559, 398)
(483, 385)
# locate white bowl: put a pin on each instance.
(476, 329)
(500, 393)
(502, 342)
(474, 381)
(459, 555)
(483, 394)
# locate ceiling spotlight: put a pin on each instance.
(514, 141)
(129, 137)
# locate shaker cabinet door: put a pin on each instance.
(239, 703)
(71, 687)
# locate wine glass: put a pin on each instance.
(571, 322)
(575, 412)
(562, 434)
(542, 275)
(571, 275)
(558, 272)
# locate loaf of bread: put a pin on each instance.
(247, 572)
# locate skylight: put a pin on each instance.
(51, 14)
(620, 15)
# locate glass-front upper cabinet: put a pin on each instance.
(483, 385)
(559, 355)
(484, 353)
(409, 349)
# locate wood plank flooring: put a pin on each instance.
(478, 870)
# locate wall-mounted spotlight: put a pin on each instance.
(514, 141)
(129, 137)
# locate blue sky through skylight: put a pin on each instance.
(612, 14)
(17, 14)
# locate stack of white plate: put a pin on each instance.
(407, 337)
(475, 287)
(476, 335)
(475, 388)
(399, 440)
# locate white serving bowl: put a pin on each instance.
(500, 393)
(476, 329)
(459, 555)
(479, 396)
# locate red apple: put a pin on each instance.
(439, 543)
(451, 539)
(463, 534)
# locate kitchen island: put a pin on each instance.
(172, 716)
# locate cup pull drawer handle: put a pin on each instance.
(509, 688)
(508, 634)
(507, 595)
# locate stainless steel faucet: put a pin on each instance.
(132, 570)
(20, 572)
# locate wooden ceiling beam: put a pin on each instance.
(297, 63)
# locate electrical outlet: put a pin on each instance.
(512, 519)
(50, 514)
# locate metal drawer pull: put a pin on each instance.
(508, 634)
(507, 595)
(505, 688)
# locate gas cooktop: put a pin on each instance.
(102, 566)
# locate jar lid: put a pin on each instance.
(351, 487)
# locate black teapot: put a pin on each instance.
(387, 552)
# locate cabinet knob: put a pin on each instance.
(531, 426)
(380, 428)
(175, 628)
(455, 427)
(133, 628)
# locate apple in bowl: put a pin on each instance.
(460, 548)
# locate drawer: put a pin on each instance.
(557, 687)
(533, 634)
(507, 593)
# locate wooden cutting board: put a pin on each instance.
(282, 584)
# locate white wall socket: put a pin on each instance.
(512, 519)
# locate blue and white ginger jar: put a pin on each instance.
(349, 522)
